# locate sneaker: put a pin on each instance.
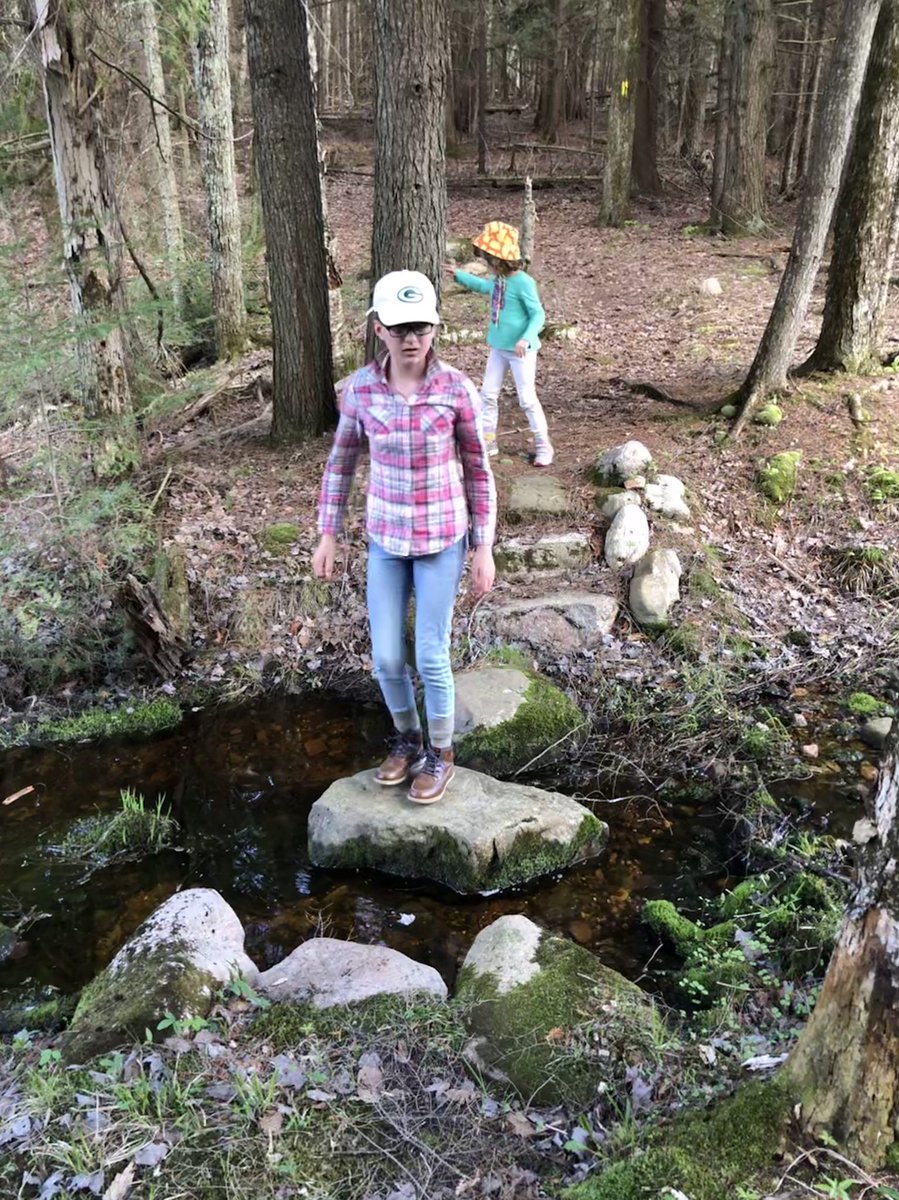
(405, 760)
(544, 455)
(432, 781)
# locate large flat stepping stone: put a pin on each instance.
(483, 836)
(562, 621)
(554, 552)
(537, 495)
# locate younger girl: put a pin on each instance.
(422, 423)
(516, 318)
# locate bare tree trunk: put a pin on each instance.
(645, 166)
(865, 228)
(832, 136)
(791, 156)
(213, 81)
(324, 63)
(482, 88)
(290, 187)
(845, 1065)
(622, 114)
(409, 228)
(722, 107)
(741, 208)
(92, 235)
(696, 83)
(528, 223)
(814, 91)
(168, 182)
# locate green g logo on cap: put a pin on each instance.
(410, 295)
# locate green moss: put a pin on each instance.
(702, 583)
(279, 538)
(705, 1155)
(119, 1008)
(40, 1009)
(685, 935)
(132, 720)
(284, 1025)
(771, 414)
(545, 716)
(573, 1026)
(882, 485)
(443, 859)
(863, 704)
(777, 476)
(511, 656)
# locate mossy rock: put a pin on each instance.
(544, 716)
(777, 476)
(40, 1009)
(96, 724)
(280, 538)
(704, 1155)
(771, 415)
(8, 939)
(685, 935)
(550, 1018)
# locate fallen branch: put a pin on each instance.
(197, 407)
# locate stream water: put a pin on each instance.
(240, 784)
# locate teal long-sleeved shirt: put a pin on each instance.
(522, 314)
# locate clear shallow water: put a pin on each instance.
(240, 784)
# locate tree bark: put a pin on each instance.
(865, 230)
(722, 106)
(814, 91)
(409, 227)
(622, 114)
(741, 207)
(797, 125)
(831, 141)
(846, 1063)
(696, 81)
(290, 187)
(213, 81)
(92, 235)
(645, 166)
(168, 181)
(482, 88)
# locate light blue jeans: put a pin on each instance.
(435, 578)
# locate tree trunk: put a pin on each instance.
(213, 82)
(865, 228)
(290, 187)
(324, 64)
(794, 140)
(167, 178)
(696, 82)
(549, 110)
(645, 166)
(741, 208)
(482, 88)
(831, 141)
(722, 106)
(409, 226)
(528, 223)
(814, 91)
(846, 1064)
(92, 235)
(622, 114)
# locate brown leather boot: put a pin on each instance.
(406, 758)
(431, 781)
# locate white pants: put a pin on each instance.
(524, 372)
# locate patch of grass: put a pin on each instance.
(132, 720)
(134, 829)
(866, 571)
(863, 704)
(882, 485)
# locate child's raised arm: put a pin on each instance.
(474, 283)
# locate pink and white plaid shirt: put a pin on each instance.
(429, 467)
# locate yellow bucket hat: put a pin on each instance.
(500, 240)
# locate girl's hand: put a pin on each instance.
(324, 556)
(522, 347)
(483, 571)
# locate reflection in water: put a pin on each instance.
(240, 784)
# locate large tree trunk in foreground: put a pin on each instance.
(168, 182)
(865, 230)
(833, 131)
(92, 235)
(409, 230)
(213, 78)
(846, 1064)
(290, 186)
(741, 206)
(616, 180)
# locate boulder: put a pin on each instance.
(876, 731)
(627, 538)
(561, 622)
(537, 496)
(505, 718)
(554, 552)
(550, 1019)
(622, 463)
(655, 588)
(711, 286)
(483, 836)
(328, 971)
(666, 497)
(175, 963)
(610, 506)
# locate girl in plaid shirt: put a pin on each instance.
(429, 481)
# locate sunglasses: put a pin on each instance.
(416, 328)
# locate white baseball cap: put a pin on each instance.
(404, 297)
